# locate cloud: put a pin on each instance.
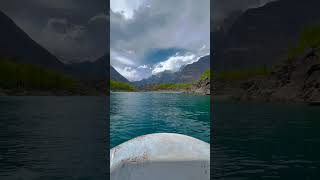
(124, 60)
(130, 73)
(121, 59)
(143, 66)
(174, 63)
(145, 26)
(222, 8)
(126, 8)
(75, 42)
(65, 29)
(101, 17)
(72, 30)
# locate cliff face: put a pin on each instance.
(297, 80)
(202, 87)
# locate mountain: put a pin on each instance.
(187, 74)
(16, 44)
(165, 77)
(116, 76)
(192, 72)
(96, 70)
(89, 71)
(263, 35)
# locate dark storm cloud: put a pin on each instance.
(222, 8)
(73, 30)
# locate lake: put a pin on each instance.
(255, 141)
(140, 113)
(53, 138)
(65, 137)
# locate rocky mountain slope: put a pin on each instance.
(165, 77)
(188, 74)
(192, 72)
(201, 87)
(297, 80)
(115, 75)
(262, 35)
(89, 71)
(17, 45)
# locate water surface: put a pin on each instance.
(53, 138)
(255, 141)
(140, 113)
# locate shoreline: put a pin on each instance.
(232, 98)
(16, 92)
(164, 91)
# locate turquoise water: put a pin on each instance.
(254, 141)
(140, 113)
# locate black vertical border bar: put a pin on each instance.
(107, 147)
(212, 136)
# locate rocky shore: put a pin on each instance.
(202, 87)
(296, 80)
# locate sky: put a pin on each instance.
(148, 37)
(72, 30)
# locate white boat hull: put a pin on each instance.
(162, 156)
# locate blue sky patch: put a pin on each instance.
(157, 55)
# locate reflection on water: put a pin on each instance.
(53, 138)
(135, 114)
(265, 141)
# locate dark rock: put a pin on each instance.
(202, 87)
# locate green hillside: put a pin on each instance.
(170, 86)
(242, 73)
(121, 86)
(32, 77)
(309, 38)
(205, 75)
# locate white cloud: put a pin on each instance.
(138, 27)
(130, 73)
(174, 63)
(143, 66)
(121, 59)
(124, 60)
(126, 7)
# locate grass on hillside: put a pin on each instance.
(242, 74)
(121, 86)
(26, 76)
(309, 38)
(177, 86)
(171, 86)
(206, 74)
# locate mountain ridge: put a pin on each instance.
(18, 45)
(263, 35)
(187, 74)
